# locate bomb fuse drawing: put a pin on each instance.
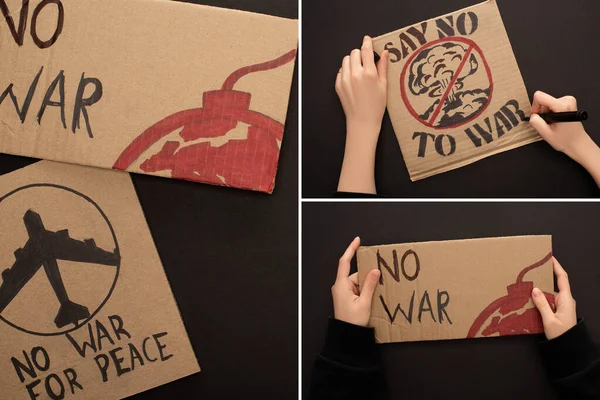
(44, 248)
(510, 315)
(248, 162)
(447, 83)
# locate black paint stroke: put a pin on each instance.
(116, 252)
(44, 248)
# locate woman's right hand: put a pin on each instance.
(350, 303)
(565, 317)
(570, 137)
(565, 137)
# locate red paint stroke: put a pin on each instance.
(533, 266)
(513, 318)
(234, 77)
(472, 46)
(250, 163)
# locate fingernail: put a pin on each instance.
(537, 292)
(367, 37)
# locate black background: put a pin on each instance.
(551, 41)
(491, 368)
(231, 257)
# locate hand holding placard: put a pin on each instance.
(350, 303)
(565, 317)
(361, 85)
(457, 289)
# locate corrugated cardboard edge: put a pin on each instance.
(452, 166)
(153, 174)
(284, 123)
(363, 248)
(187, 336)
(221, 9)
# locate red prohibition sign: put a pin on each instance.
(472, 48)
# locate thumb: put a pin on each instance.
(369, 287)
(540, 126)
(382, 66)
(541, 303)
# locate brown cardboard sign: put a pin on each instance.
(458, 288)
(86, 310)
(155, 87)
(455, 92)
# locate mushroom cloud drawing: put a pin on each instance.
(431, 73)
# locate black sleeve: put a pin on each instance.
(349, 366)
(352, 195)
(573, 363)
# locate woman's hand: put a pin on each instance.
(349, 303)
(569, 137)
(362, 88)
(566, 137)
(565, 317)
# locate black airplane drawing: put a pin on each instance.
(44, 248)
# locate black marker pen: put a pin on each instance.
(570, 116)
(376, 56)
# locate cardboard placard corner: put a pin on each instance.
(455, 289)
(455, 92)
(83, 295)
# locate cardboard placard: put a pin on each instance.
(455, 92)
(148, 86)
(85, 307)
(458, 288)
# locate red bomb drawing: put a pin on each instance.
(248, 163)
(511, 314)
